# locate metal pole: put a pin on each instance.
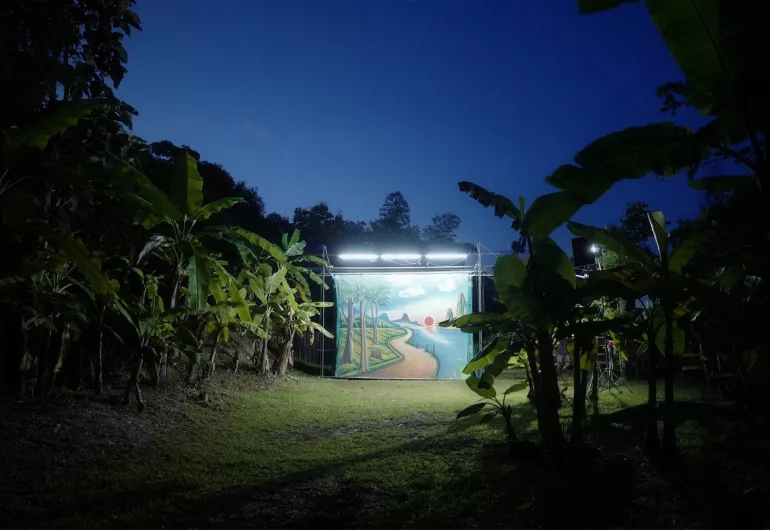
(480, 289)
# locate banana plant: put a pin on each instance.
(296, 318)
(663, 288)
(180, 213)
(230, 310)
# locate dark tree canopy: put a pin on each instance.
(442, 229)
(59, 51)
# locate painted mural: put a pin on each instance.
(388, 325)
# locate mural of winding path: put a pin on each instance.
(417, 363)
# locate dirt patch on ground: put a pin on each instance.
(49, 447)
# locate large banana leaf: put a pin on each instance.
(487, 355)
(509, 271)
(261, 242)
(663, 148)
(186, 188)
(725, 184)
(612, 241)
(684, 252)
(694, 34)
(133, 180)
(503, 206)
(216, 206)
(37, 136)
(586, 186)
(658, 225)
(553, 259)
(549, 212)
(76, 251)
(198, 275)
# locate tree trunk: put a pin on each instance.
(263, 363)
(538, 391)
(551, 398)
(578, 403)
(669, 425)
(652, 398)
(283, 359)
(374, 323)
(133, 381)
(347, 357)
(213, 358)
(364, 367)
(99, 358)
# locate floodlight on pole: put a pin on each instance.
(446, 256)
(400, 256)
(594, 249)
(359, 257)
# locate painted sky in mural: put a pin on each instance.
(399, 315)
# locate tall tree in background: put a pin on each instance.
(442, 228)
(394, 222)
(634, 225)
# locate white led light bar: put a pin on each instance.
(361, 257)
(400, 256)
(446, 256)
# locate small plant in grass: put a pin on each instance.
(499, 408)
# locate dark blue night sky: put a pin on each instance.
(346, 101)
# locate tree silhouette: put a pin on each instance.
(442, 228)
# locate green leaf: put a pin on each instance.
(37, 136)
(549, 212)
(130, 178)
(725, 184)
(155, 241)
(186, 186)
(509, 272)
(658, 224)
(662, 148)
(516, 387)
(487, 355)
(264, 244)
(550, 256)
(318, 327)
(237, 296)
(275, 280)
(611, 240)
(586, 7)
(199, 276)
(503, 206)
(683, 253)
(476, 320)
(216, 206)
(470, 411)
(90, 267)
(586, 186)
(482, 386)
(692, 31)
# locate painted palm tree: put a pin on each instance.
(361, 294)
(347, 292)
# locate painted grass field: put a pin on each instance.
(328, 453)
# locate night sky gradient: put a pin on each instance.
(346, 101)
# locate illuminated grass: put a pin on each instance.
(331, 452)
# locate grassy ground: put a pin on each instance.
(345, 453)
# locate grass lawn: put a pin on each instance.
(349, 453)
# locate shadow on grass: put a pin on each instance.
(478, 484)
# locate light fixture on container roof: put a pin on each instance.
(594, 249)
(400, 256)
(360, 257)
(446, 256)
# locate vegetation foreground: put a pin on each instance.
(340, 453)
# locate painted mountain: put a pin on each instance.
(405, 319)
(449, 315)
(460, 305)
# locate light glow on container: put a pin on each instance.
(446, 256)
(361, 257)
